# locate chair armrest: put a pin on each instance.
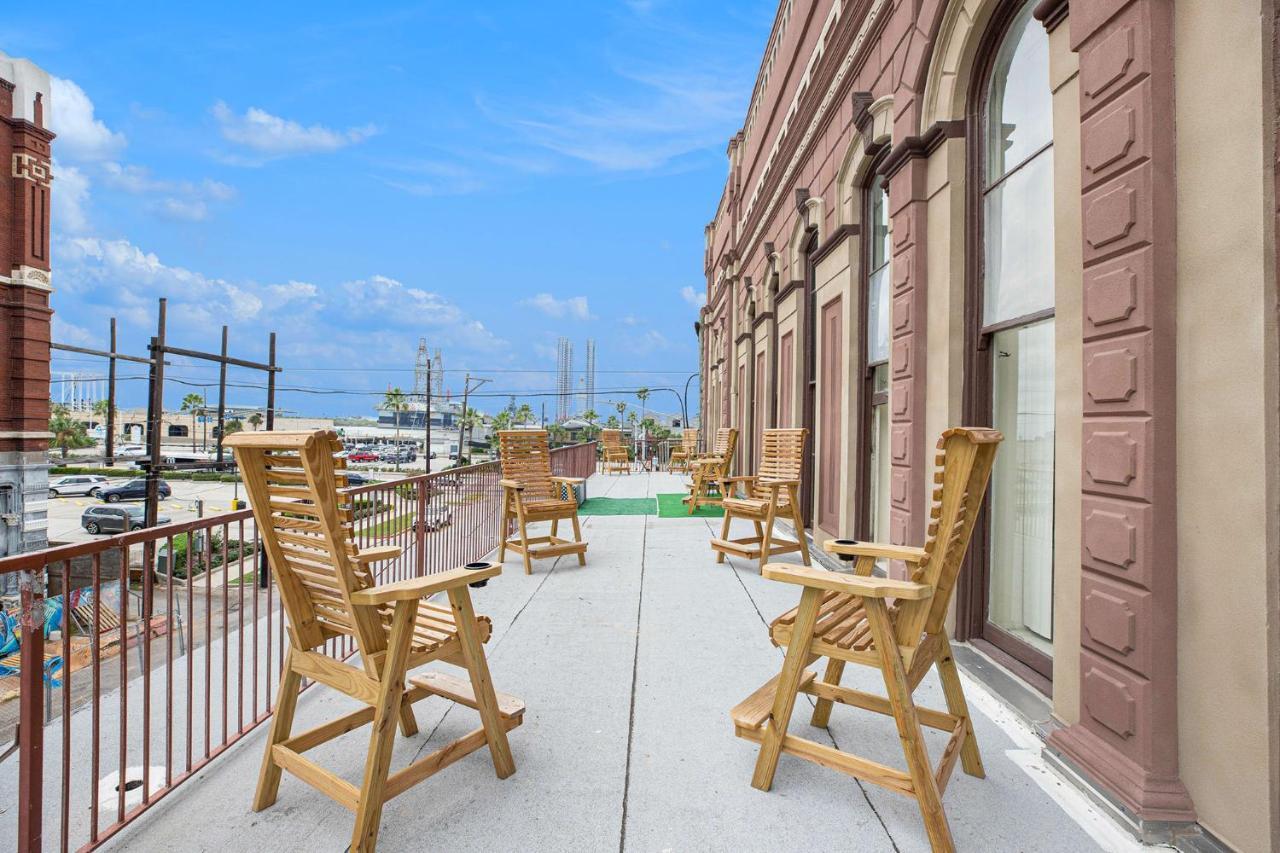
(741, 478)
(777, 484)
(511, 484)
(863, 587)
(413, 588)
(569, 481)
(377, 555)
(873, 549)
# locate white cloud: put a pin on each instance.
(274, 136)
(181, 200)
(70, 199)
(574, 307)
(693, 297)
(81, 134)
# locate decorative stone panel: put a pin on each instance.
(1116, 538)
(1116, 137)
(1117, 215)
(1116, 374)
(1111, 299)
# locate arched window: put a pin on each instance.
(874, 494)
(1013, 363)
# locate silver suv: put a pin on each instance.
(76, 484)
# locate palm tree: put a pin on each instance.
(255, 421)
(642, 394)
(396, 402)
(502, 420)
(591, 416)
(621, 407)
(524, 414)
(469, 422)
(67, 432)
(612, 422)
(193, 403)
(233, 426)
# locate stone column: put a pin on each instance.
(1127, 736)
(24, 305)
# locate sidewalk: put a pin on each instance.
(629, 667)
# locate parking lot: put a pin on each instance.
(184, 505)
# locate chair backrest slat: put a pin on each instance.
(304, 523)
(689, 441)
(526, 458)
(964, 461)
(781, 457)
(612, 438)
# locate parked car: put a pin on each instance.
(111, 519)
(131, 450)
(76, 484)
(134, 490)
(354, 479)
(362, 456)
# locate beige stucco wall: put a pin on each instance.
(1064, 68)
(1223, 536)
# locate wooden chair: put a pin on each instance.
(328, 592)
(896, 626)
(709, 471)
(616, 460)
(682, 453)
(531, 494)
(774, 490)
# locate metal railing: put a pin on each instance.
(145, 655)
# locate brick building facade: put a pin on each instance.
(1057, 218)
(24, 304)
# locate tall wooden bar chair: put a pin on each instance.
(710, 470)
(772, 492)
(616, 460)
(683, 452)
(530, 493)
(896, 626)
(328, 591)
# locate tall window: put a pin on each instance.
(1016, 336)
(876, 387)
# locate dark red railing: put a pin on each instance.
(172, 643)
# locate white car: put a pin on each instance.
(130, 450)
(76, 484)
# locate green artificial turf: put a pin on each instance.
(673, 506)
(618, 506)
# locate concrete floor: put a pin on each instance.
(629, 667)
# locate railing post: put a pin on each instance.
(31, 715)
(420, 529)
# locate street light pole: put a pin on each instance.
(462, 422)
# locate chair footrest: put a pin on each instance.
(750, 546)
(751, 713)
(460, 691)
(547, 546)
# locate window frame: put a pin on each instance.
(868, 397)
(973, 588)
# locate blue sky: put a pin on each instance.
(487, 176)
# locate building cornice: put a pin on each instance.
(917, 147)
(1051, 13)
(831, 243)
(794, 284)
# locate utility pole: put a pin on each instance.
(111, 399)
(426, 421)
(462, 422)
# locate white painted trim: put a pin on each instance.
(25, 434)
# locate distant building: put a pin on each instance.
(24, 311)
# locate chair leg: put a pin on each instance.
(765, 532)
(281, 724)
(506, 525)
(381, 739)
(555, 527)
(524, 537)
(408, 722)
(481, 685)
(923, 782)
(724, 533)
(784, 699)
(970, 757)
(577, 537)
(822, 708)
(798, 523)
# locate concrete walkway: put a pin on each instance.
(629, 667)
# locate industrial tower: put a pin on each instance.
(564, 379)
